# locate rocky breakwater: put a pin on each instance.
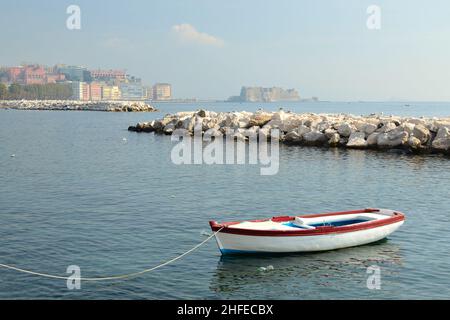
(418, 135)
(76, 105)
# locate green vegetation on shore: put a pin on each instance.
(53, 91)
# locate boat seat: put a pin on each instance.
(299, 222)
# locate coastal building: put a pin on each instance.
(86, 85)
(80, 91)
(110, 92)
(15, 74)
(3, 75)
(131, 91)
(148, 92)
(33, 74)
(95, 91)
(260, 94)
(73, 73)
(111, 76)
(54, 78)
(162, 91)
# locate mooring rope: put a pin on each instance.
(119, 277)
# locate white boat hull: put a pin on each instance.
(234, 243)
(317, 232)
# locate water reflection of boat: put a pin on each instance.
(239, 272)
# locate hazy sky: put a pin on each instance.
(209, 48)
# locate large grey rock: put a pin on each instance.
(357, 140)
(414, 143)
(432, 126)
(286, 122)
(280, 120)
(369, 128)
(169, 128)
(201, 113)
(302, 130)
(293, 137)
(312, 123)
(189, 123)
(408, 127)
(345, 129)
(231, 121)
(330, 133)
(387, 127)
(421, 133)
(143, 126)
(208, 123)
(314, 138)
(260, 119)
(392, 139)
(213, 132)
(158, 126)
(250, 132)
(322, 126)
(334, 140)
(442, 140)
(372, 139)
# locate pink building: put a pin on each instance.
(15, 74)
(34, 75)
(53, 78)
(95, 90)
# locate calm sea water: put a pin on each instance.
(77, 193)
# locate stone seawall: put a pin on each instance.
(75, 105)
(419, 135)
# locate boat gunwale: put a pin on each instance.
(322, 230)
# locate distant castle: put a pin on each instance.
(260, 94)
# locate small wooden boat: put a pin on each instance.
(307, 233)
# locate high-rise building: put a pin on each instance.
(162, 91)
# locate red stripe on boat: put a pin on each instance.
(397, 217)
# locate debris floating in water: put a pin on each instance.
(124, 139)
(266, 269)
(13, 156)
(205, 233)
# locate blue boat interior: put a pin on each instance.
(328, 224)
